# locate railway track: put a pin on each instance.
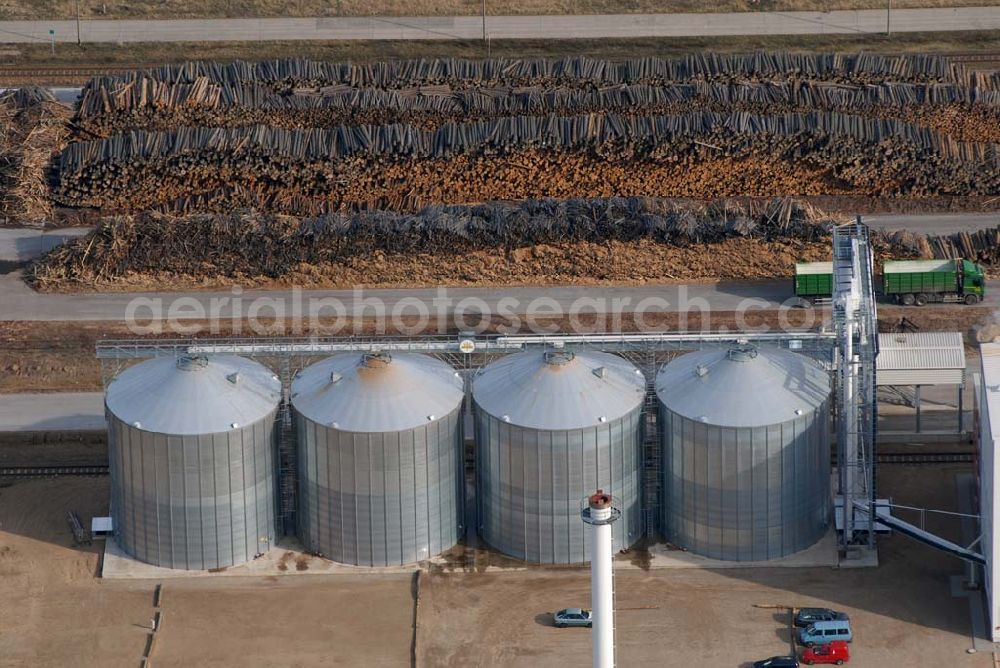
(51, 471)
(45, 74)
(925, 458)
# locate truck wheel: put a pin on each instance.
(920, 299)
(840, 662)
(971, 299)
(907, 299)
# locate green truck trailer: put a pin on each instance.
(813, 281)
(907, 281)
(921, 281)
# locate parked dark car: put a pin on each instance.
(777, 662)
(807, 616)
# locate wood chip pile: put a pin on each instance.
(33, 130)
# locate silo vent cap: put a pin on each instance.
(558, 357)
(798, 411)
(137, 424)
(192, 362)
(235, 425)
(335, 377)
(701, 370)
(376, 360)
(742, 353)
(603, 418)
(234, 377)
(431, 417)
(601, 372)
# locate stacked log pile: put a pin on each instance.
(982, 246)
(34, 130)
(288, 74)
(252, 244)
(112, 107)
(305, 137)
(359, 165)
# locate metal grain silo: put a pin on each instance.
(745, 452)
(551, 427)
(380, 457)
(191, 443)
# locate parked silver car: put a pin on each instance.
(572, 617)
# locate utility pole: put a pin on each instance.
(78, 42)
(484, 20)
(888, 18)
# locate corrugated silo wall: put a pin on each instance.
(745, 494)
(193, 502)
(381, 499)
(531, 483)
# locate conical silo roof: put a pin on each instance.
(558, 390)
(742, 386)
(193, 395)
(375, 392)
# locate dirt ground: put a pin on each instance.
(173, 9)
(56, 612)
(59, 356)
(903, 612)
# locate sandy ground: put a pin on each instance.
(903, 612)
(56, 613)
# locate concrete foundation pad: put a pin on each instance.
(288, 558)
(662, 556)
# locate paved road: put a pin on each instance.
(23, 244)
(935, 223)
(504, 27)
(70, 411)
(18, 302)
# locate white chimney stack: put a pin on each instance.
(599, 514)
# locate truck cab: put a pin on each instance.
(973, 281)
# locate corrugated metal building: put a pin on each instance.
(746, 452)
(380, 457)
(551, 427)
(191, 443)
(921, 358)
(989, 475)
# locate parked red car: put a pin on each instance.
(835, 652)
